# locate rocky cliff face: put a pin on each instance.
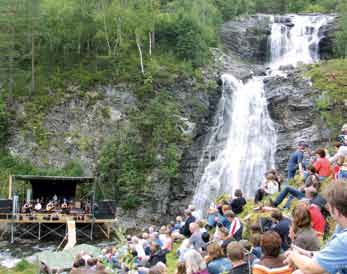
(292, 108)
(327, 44)
(247, 37)
(74, 128)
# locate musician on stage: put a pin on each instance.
(38, 206)
(50, 206)
(27, 207)
(65, 207)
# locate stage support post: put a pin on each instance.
(12, 233)
(10, 187)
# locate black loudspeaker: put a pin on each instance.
(105, 209)
(5, 208)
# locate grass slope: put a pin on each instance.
(331, 78)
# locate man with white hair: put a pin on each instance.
(194, 263)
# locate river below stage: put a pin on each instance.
(11, 254)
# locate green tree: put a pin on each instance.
(341, 34)
(34, 33)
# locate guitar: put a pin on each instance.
(50, 206)
(38, 206)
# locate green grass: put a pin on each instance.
(171, 258)
(331, 78)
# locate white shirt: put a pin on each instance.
(342, 151)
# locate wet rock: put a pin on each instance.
(286, 67)
(247, 37)
(328, 43)
(3, 244)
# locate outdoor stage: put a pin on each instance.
(39, 228)
(40, 225)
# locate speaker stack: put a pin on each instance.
(5, 208)
(105, 209)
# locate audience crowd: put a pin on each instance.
(279, 241)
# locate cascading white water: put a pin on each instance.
(248, 145)
(298, 42)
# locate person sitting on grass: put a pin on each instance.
(194, 263)
(312, 179)
(184, 230)
(272, 261)
(195, 240)
(238, 202)
(157, 255)
(318, 221)
(322, 165)
(215, 214)
(180, 268)
(311, 182)
(269, 187)
(217, 263)
(281, 226)
(301, 232)
(237, 257)
(236, 227)
(224, 238)
(341, 150)
(342, 163)
(332, 257)
(256, 248)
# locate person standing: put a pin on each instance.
(295, 160)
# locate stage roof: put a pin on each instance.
(34, 178)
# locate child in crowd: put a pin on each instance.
(269, 187)
(238, 202)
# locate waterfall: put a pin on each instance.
(297, 42)
(243, 141)
(249, 147)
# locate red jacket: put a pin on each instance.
(317, 218)
(322, 166)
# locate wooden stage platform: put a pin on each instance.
(39, 226)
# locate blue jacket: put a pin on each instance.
(219, 266)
